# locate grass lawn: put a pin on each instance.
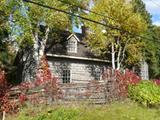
(114, 111)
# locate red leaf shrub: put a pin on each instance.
(124, 80)
(5, 104)
(3, 88)
(114, 85)
(12, 98)
(43, 73)
(45, 80)
(44, 76)
(157, 82)
(22, 98)
(3, 82)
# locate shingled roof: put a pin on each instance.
(59, 47)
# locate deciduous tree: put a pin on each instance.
(35, 24)
(122, 43)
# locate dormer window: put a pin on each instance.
(72, 45)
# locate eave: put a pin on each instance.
(77, 58)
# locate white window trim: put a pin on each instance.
(73, 35)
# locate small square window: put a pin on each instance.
(66, 76)
(72, 46)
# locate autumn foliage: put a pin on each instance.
(114, 86)
(45, 82)
(124, 80)
(3, 82)
(5, 104)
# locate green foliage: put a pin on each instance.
(6, 51)
(139, 7)
(6, 56)
(4, 13)
(152, 51)
(30, 17)
(146, 93)
(31, 27)
(127, 47)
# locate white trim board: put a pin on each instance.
(77, 58)
(74, 37)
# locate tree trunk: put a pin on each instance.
(118, 58)
(4, 115)
(26, 65)
(31, 62)
(113, 56)
(29, 58)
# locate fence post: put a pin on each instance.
(4, 114)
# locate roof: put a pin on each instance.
(59, 48)
(73, 35)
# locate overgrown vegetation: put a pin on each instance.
(116, 111)
(146, 93)
(12, 98)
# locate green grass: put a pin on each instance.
(115, 111)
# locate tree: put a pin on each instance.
(139, 7)
(122, 43)
(150, 50)
(4, 30)
(36, 23)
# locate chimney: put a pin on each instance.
(84, 30)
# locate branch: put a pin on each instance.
(44, 41)
(124, 50)
(119, 52)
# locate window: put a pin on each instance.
(72, 46)
(66, 76)
(97, 74)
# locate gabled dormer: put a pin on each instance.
(72, 42)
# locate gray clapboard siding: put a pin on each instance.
(144, 70)
(81, 71)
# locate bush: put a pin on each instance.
(3, 82)
(146, 92)
(5, 104)
(44, 89)
(157, 82)
(126, 79)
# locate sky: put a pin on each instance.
(153, 7)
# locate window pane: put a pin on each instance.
(66, 76)
(97, 74)
(72, 46)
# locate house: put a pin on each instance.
(72, 61)
(144, 70)
(75, 65)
